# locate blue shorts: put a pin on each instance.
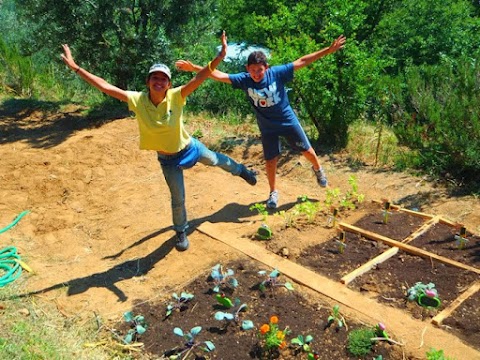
(294, 135)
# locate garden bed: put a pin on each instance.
(464, 321)
(398, 226)
(389, 280)
(440, 239)
(328, 259)
(301, 316)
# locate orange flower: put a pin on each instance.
(274, 319)
(282, 345)
(264, 329)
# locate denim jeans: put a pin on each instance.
(174, 177)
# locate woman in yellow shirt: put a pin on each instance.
(159, 113)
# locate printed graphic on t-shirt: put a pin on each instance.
(265, 97)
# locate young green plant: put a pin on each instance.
(222, 279)
(236, 307)
(190, 345)
(137, 327)
(271, 281)
(179, 303)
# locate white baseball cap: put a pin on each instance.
(160, 68)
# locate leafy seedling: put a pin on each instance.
(302, 343)
(191, 344)
(336, 318)
(424, 294)
(137, 324)
(179, 302)
(223, 278)
(234, 315)
(272, 281)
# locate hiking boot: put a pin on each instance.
(321, 177)
(182, 241)
(272, 200)
(248, 175)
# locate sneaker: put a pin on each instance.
(248, 175)
(321, 177)
(272, 200)
(182, 241)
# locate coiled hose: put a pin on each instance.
(10, 262)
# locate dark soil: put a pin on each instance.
(301, 316)
(389, 281)
(464, 321)
(328, 259)
(398, 226)
(440, 240)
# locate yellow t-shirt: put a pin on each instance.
(161, 127)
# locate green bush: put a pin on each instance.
(360, 341)
(435, 110)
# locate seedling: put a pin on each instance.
(288, 217)
(337, 318)
(179, 302)
(234, 315)
(222, 278)
(137, 324)
(386, 211)
(353, 194)
(461, 238)
(261, 209)
(424, 295)
(434, 354)
(272, 280)
(191, 344)
(306, 209)
(381, 331)
(302, 343)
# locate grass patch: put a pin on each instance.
(376, 145)
(32, 328)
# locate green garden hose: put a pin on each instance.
(9, 265)
(10, 262)
(14, 222)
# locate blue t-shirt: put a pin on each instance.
(269, 97)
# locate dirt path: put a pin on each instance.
(99, 235)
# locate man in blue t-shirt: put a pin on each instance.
(265, 90)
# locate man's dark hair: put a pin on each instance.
(257, 57)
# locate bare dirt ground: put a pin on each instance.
(98, 235)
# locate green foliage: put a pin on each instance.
(272, 280)
(17, 74)
(305, 210)
(435, 110)
(336, 317)
(421, 32)
(360, 342)
(137, 324)
(410, 66)
(434, 354)
(261, 208)
(118, 40)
